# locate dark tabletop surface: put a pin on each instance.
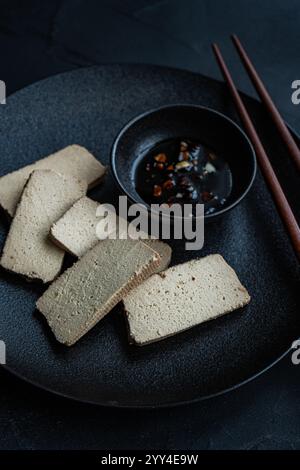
(39, 39)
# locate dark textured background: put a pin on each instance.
(38, 39)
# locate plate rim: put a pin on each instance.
(173, 404)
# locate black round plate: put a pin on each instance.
(89, 107)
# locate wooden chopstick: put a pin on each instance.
(273, 184)
(269, 104)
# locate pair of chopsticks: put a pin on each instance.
(266, 168)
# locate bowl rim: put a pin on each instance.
(144, 114)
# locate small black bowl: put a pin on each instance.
(199, 123)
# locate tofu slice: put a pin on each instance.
(28, 250)
(76, 232)
(181, 297)
(73, 160)
(86, 292)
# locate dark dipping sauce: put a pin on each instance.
(186, 172)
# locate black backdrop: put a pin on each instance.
(38, 39)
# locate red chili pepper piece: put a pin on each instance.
(159, 166)
(157, 190)
(206, 196)
(161, 157)
(169, 184)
